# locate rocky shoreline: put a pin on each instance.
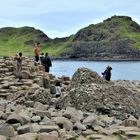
(89, 107)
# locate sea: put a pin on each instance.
(121, 70)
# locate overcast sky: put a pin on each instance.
(59, 18)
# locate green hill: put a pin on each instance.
(13, 40)
(116, 38)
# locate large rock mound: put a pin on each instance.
(90, 92)
(86, 76)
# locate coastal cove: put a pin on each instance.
(122, 70)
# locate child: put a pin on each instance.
(58, 89)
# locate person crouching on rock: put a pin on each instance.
(18, 59)
(107, 73)
(57, 89)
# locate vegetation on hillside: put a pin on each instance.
(115, 37)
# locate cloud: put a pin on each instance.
(64, 16)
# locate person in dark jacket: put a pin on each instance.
(41, 58)
(107, 73)
(47, 62)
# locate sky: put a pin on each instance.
(61, 18)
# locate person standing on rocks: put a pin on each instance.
(41, 58)
(37, 49)
(107, 73)
(18, 59)
(47, 62)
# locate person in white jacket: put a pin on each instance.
(58, 89)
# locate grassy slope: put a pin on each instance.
(114, 27)
(55, 49)
(127, 29)
(12, 40)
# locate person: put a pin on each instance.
(107, 73)
(47, 62)
(18, 59)
(41, 58)
(57, 89)
(37, 52)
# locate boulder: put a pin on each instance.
(7, 131)
(44, 82)
(85, 76)
(48, 128)
(24, 129)
(27, 136)
(47, 136)
(15, 118)
(73, 114)
(63, 123)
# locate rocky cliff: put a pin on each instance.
(116, 38)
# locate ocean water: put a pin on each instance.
(121, 70)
